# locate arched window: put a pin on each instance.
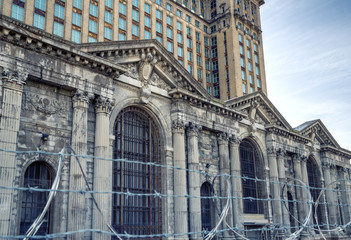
(314, 183)
(206, 206)
(39, 175)
(250, 167)
(136, 139)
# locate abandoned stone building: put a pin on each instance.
(133, 100)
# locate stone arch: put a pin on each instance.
(137, 139)
(152, 110)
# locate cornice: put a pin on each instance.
(33, 39)
(341, 152)
(287, 133)
(181, 94)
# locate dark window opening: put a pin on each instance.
(137, 139)
(206, 206)
(250, 166)
(37, 175)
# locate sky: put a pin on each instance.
(307, 52)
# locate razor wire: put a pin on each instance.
(208, 235)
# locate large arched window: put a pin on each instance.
(250, 167)
(39, 175)
(314, 182)
(136, 139)
(206, 206)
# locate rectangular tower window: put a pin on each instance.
(93, 10)
(147, 8)
(17, 12)
(59, 11)
(147, 34)
(77, 4)
(77, 19)
(135, 30)
(75, 36)
(58, 29)
(40, 4)
(122, 24)
(39, 21)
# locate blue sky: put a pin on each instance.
(307, 51)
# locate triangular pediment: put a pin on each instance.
(259, 109)
(316, 130)
(149, 62)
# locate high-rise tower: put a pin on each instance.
(218, 41)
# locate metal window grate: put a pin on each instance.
(250, 168)
(137, 139)
(38, 175)
(206, 190)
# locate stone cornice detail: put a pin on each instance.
(340, 152)
(39, 41)
(290, 134)
(271, 151)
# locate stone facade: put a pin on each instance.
(55, 93)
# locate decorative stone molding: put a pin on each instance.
(296, 158)
(178, 125)
(103, 104)
(193, 129)
(235, 140)
(281, 153)
(44, 104)
(223, 138)
(81, 96)
(132, 71)
(146, 68)
(303, 158)
(271, 151)
(11, 76)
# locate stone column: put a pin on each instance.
(235, 172)
(299, 189)
(330, 194)
(194, 180)
(275, 187)
(283, 194)
(77, 205)
(102, 168)
(224, 169)
(180, 184)
(12, 90)
(346, 197)
(305, 180)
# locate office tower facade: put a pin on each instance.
(219, 42)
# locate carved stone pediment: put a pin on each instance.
(317, 132)
(259, 110)
(149, 62)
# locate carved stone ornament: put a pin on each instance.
(146, 67)
(223, 137)
(145, 94)
(178, 125)
(132, 71)
(13, 76)
(156, 81)
(103, 104)
(271, 151)
(193, 129)
(82, 96)
(44, 104)
(235, 139)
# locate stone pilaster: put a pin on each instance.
(224, 169)
(235, 172)
(304, 175)
(180, 183)
(330, 194)
(275, 187)
(12, 89)
(77, 205)
(194, 180)
(299, 189)
(102, 168)
(283, 194)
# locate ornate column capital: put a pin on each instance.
(296, 158)
(104, 105)
(222, 138)
(234, 140)
(81, 99)
(271, 150)
(281, 153)
(193, 129)
(178, 125)
(14, 76)
(303, 159)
